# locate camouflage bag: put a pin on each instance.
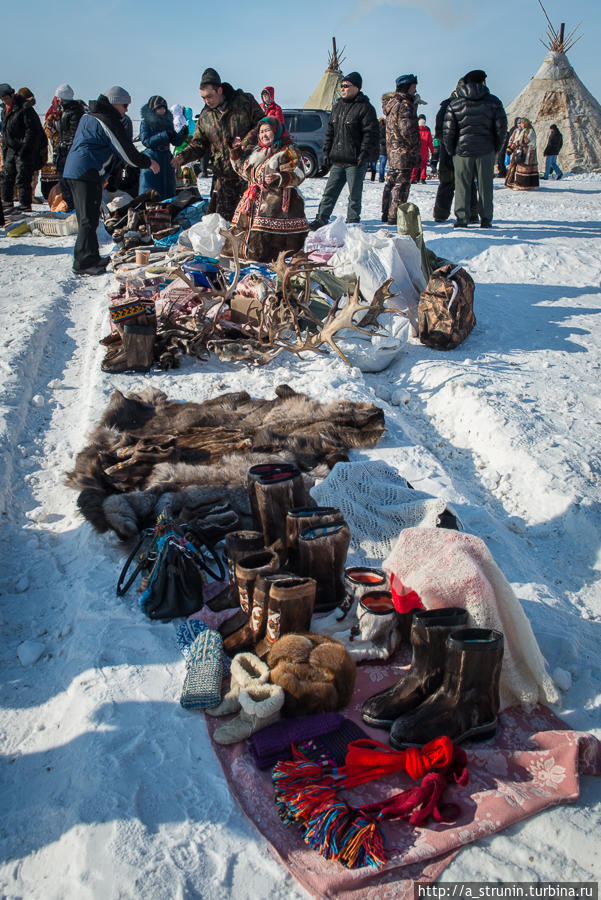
(445, 314)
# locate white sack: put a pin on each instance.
(204, 236)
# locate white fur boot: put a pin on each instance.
(247, 669)
(260, 706)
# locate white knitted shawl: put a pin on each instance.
(377, 505)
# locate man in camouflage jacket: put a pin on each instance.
(229, 118)
(402, 145)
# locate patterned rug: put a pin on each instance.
(533, 762)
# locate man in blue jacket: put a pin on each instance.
(100, 137)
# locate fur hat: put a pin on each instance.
(64, 92)
(316, 672)
(117, 94)
(26, 93)
(476, 76)
(355, 79)
(156, 101)
(404, 81)
(6, 90)
(210, 76)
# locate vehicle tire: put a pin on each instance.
(309, 162)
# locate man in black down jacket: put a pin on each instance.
(473, 130)
(22, 140)
(352, 141)
(446, 173)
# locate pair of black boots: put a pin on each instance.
(452, 687)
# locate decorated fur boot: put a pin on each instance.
(247, 570)
(291, 604)
(322, 554)
(429, 633)
(247, 669)
(263, 585)
(135, 353)
(260, 706)
(238, 544)
(302, 517)
(466, 705)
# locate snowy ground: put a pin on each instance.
(110, 789)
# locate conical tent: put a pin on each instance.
(327, 91)
(557, 96)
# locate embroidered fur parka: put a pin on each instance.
(271, 217)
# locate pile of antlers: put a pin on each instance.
(285, 321)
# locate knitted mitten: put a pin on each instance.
(247, 669)
(260, 706)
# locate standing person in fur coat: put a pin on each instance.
(271, 213)
(269, 106)
(157, 132)
(522, 174)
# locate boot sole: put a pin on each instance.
(480, 733)
(385, 724)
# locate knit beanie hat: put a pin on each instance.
(26, 93)
(6, 90)
(64, 92)
(404, 81)
(476, 76)
(156, 101)
(354, 78)
(117, 94)
(210, 77)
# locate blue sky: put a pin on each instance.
(162, 48)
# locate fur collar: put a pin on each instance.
(156, 122)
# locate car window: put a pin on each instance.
(290, 122)
(309, 122)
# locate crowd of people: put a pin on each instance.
(256, 168)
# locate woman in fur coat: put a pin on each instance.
(522, 174)
(157, 133)
(271, 214)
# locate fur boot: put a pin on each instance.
(247, 670)
(315, 671)
(260, 706)
(258, 618)
(135, 353)
(466, 705)
(247, 570)
(322, 555)
(304, 517)
(238, 544)
(274, 494)
(376, 635)
(291, 604)
(265, 470)
(429, 633)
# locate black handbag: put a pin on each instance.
(174, 559)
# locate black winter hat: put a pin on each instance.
(210, 76)
(6, 90)
(156, 101)
(476, 76)
(354, 78)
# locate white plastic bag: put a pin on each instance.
(328, 237)
(376, 257)
(204, 236)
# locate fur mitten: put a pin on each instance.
(260, 706)
(247, 670)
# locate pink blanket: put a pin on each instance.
(534, 762)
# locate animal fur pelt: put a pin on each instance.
(147, 446)
(316, 672)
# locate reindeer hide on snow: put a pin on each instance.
(149, 453)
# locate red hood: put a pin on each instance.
(271, 93)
